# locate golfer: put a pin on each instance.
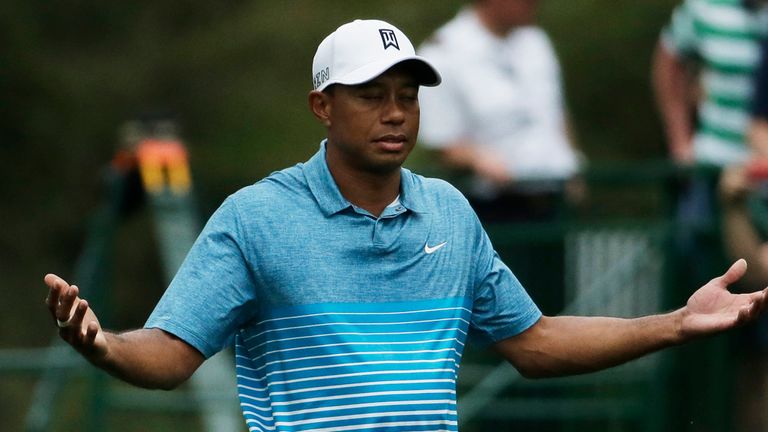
(350, 285)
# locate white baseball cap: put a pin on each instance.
(361, 50)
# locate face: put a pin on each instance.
(372, 127)
(512, 13)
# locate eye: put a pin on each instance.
(410, 96)
(371, 97)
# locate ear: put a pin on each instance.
(320, 105)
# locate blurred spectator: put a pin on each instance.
(758, 136)
(499, 115)
(744, 199)
(721, 39)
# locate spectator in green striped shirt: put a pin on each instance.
(722, 37)
(706, 114)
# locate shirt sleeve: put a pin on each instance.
(680, 35)
(213, 292)
(502, 308)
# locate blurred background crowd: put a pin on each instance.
(631, 87)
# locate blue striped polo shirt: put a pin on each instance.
(342, 320)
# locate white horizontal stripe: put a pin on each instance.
(731, 51)
(355, 324)
(364, 353)
(347, 375)
(264, 399)
(363, 313)
(258, 389)
(362, 384)
(340, 365)
(260, 408)
(255, 359)
(271, 384)
(718, 152)
(366, 405)
(358, 334)
(238, 365)
(378, 425)
(735, 86)
(433, 430)
(366, 416)
(261, 425)
(363, 395)
(723, 16)
(251, 413)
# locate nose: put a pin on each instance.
(393, 111)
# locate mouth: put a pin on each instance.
(392, 142)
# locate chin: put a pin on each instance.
(388, 166)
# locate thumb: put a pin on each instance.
(735, 272)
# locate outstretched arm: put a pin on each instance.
(149, 358)
(567, 345)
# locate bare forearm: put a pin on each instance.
(568, 345)
(670, 81)
(149, 358)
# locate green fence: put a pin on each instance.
(617, 255)
(616, 269)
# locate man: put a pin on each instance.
(703, 81)
(500, 114)
(350, 284)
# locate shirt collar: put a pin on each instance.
(330, 199)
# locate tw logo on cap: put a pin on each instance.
(388, 39)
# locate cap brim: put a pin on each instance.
(425, 73)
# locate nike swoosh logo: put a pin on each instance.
(433, 249)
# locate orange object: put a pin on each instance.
(164, 164)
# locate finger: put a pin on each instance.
(66, 302)
(747, 313)
(760, 299)
(76, 320)
(735, 272)
(51, 279)
(54, 291)
(90, 333)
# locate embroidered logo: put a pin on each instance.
(322, 76)
(388, 39)
(432, 249)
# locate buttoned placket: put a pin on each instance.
(379, 224)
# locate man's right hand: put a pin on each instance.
(76, 321)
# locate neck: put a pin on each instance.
(370, 191)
